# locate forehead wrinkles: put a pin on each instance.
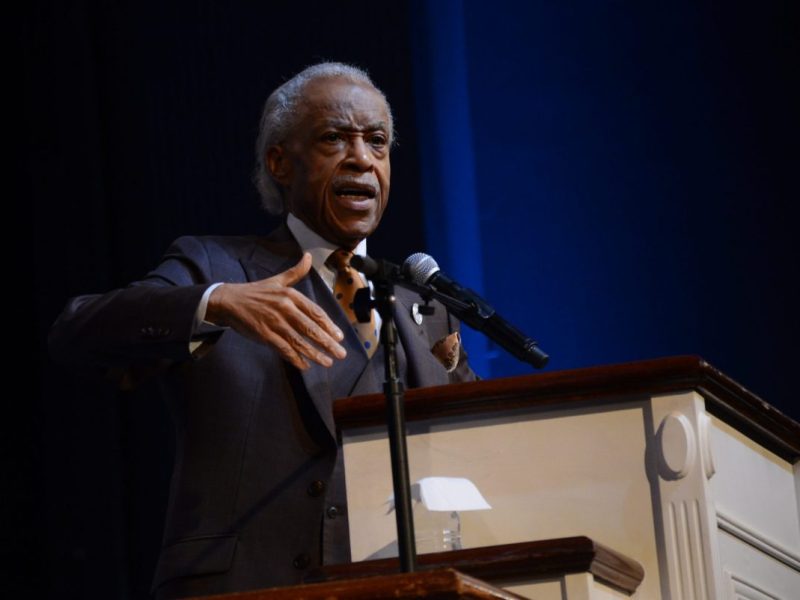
(347, 112)
(348, 105)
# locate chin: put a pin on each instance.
(355, 232)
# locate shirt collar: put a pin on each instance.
(319, 248)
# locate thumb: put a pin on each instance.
(296, 273)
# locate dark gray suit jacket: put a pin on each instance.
(257, 492)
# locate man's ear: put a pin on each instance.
(278, 165)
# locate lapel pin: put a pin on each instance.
(416, 314)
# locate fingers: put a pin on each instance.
(274, 313)
(280, 319)
(298, 350)
(286, 350)
(311, 322)
(312, 318)
(301, 331)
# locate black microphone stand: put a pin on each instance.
(394, 391)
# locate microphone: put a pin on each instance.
(422, 270)
(375, 269)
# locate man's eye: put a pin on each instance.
(332, 136)
(378, 140)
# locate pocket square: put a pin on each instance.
(448, 350)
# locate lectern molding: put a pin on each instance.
(725, 398)
(541, 559)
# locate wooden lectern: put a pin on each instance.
(668, 462)
(655, 479)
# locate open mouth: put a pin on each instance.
(355, 190)
(355, 195)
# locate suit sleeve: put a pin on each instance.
(148, 322)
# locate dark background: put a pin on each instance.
(626, 175)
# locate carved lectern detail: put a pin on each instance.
(684, 465)
(686, 548)
(704, 439)
(678, 446)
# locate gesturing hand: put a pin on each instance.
(272, 312)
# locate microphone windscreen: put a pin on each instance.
(420, 267)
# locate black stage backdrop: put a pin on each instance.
(137, 123)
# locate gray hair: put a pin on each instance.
(279, 117)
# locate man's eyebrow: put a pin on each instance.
(348, 126)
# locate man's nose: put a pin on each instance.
(359, 155)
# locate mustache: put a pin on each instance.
(368, 185)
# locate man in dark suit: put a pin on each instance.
(252, 343)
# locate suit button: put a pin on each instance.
(301, 561)
(332, 512)
(152, 332)
(316, 488)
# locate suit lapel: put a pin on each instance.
(343, 374)
(325, 384)
(271, 255)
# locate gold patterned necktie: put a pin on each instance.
(347, 283)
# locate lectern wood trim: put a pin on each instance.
(441, 584)
(543, 559)
(724, 397)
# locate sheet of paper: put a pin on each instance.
(446, 494)
(451, 493)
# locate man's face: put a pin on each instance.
(335, 165)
